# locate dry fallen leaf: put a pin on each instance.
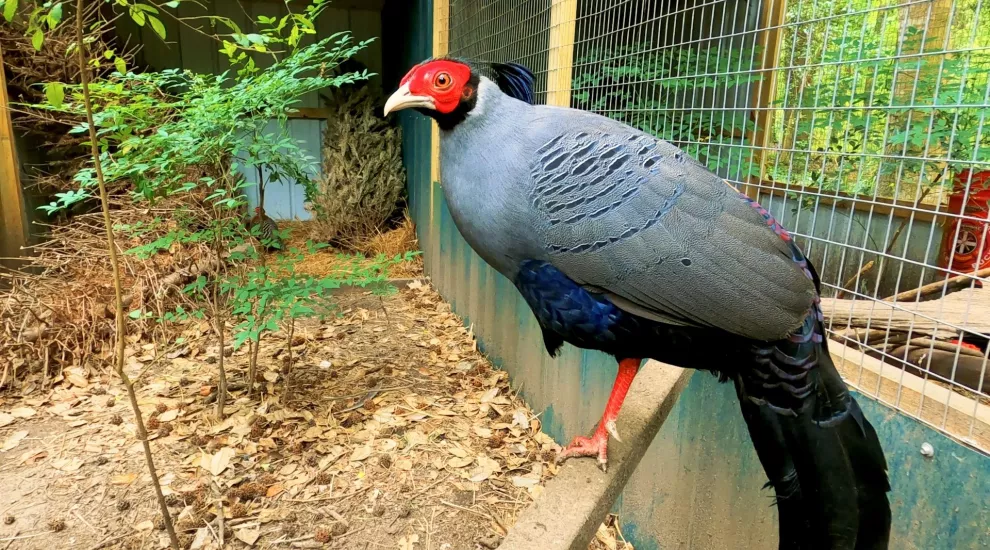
(408, 542)
(460, 462)
(274, 490)
(146, 525)
(32, 457)
(123, 479)
(201, 538)
(404, 464)
(360, 453)
(457, 451)
(482, 432)
(605, 537)
(413, 438)
(13, 440)
(525, 481)
(5, 419)
(218, 462)
(77, 377)
(486, 467)
(23, 412)
(67, 464)
(248, 536)
(168, 415)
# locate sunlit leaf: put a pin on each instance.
(9, 9)
(55, 93)
(157, 26)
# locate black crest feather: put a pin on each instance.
(514, 80)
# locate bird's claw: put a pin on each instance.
(613, 430)
(596, 446)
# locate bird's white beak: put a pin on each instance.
(402, 99)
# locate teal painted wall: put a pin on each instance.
(185, 47)
(699, 485)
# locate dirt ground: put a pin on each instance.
(394, 433)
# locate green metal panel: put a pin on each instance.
(700, 485)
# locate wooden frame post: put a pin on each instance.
(441, 46)
(560, 66)
(773, 13)
(13, 218)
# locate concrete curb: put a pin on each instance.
(575, 502)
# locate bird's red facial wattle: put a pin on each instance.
(439, 85)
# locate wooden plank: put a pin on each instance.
(367, 24)
(563, 19)
(969, 308)
(160, 54)
(441, 46)
(197, 48)
(13, 218)
(576, 501)
(235, 13)
(879, 206)
(772, 16)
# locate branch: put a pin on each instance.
(142, 433)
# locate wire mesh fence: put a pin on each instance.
(860, 124)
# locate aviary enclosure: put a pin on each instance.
(861, 126)
(375, 418)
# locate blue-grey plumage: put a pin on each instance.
(620, 242)
(617, 209)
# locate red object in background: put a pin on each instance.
(959, 252)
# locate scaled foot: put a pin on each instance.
(596, 445)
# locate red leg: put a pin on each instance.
(597, 444)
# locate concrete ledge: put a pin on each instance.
(575, 502)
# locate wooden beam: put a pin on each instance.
(441, 46)
(875, 206)
(560, 67)
(773, 12)
(13, 218)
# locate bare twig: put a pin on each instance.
(142, 432)
(932, 288)
(11, 540)
(477, 513)
(252, 364)
(893, 240)
(106, 541)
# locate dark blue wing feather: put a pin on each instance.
(515, 81)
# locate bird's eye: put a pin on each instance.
(442, 81)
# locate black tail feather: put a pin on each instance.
(824, 461)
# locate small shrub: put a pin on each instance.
(363, 177)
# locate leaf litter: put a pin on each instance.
(398, 434)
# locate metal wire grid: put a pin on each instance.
(853, 121)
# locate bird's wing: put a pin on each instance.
(636, 219)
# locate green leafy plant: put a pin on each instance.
(871, 119)
(267, 298)
(177, 133)
(664, 92)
